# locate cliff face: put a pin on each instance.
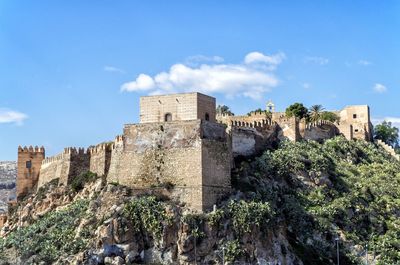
(109, 224)
(8, 174)
(289, 206)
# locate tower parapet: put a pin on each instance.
(28, 168)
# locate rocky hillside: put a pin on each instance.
(8, 174)
(288, 206)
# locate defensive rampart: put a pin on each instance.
(193, 156)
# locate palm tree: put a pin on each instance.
(315, 112)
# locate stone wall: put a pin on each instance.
(249, 141)
(28, 169)
(189, 106)
(159, 154)
(70, 163)
(100, 158)
(318, 131)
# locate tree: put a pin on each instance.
(223, 109)
(315, 112)
(330, 116)
(297, 110)
(387, 133)
(267, 113)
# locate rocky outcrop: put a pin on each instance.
(114, 239)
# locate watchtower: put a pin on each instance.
(28, 168)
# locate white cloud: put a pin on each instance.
(11, 116)
(113, 69)
(316, 60)
(258, 57)
(142, 83)
(197, 59)
(250, 79)
(379, 88)
(364, 62)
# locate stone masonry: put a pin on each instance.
(177, 107)
(28, 168)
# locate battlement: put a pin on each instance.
(75, 151)
(224, 115)
(100, 148)
(311, 125)
(31, 149)
(254, 124)
(53, 159)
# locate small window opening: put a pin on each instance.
(356, 130)
(354, 116)
(207, 117)
(29, 164)
(168, 117)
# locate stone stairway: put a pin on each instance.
(388, 148)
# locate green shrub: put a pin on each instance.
(244, 215)
(50, 236)
(147, 214)
(195, 223)
(215, 217)
(233, 251)
(78, 183)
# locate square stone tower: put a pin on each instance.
(178, 144)
(28, 168)
(355, 122)
(177, 107)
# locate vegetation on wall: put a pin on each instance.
(78, 182)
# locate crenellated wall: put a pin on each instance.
(28, 168)
(318, 131)
(70, 163)
(100, 158)
(287, 128)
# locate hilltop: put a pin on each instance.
(287, 205)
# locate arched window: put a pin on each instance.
(207, 116)
(168, 117)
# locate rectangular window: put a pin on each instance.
(29, 164)
(354, 116)
(356, 130)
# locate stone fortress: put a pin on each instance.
(182, 143)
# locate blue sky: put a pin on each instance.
(71, 72)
